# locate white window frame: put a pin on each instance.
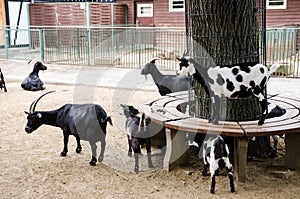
(140, 9)
(283, 6)
(172, 9)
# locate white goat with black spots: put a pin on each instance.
(238, 81)
(216, 157)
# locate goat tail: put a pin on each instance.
(274, 67)
(107, 119)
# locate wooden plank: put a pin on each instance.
(197, 125)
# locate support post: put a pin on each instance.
(292, 154)
(177, 151)
(240, 158)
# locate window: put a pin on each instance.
(176, 6)
(276, 4)
(145, 10)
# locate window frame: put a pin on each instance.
(172, 9)
(272, 7)
(139, 10)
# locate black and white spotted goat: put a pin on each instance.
(2, 82)
(216, 157)
(165, 83)
(137, 134)
(230, 81)
(84, 121)
(33, 82)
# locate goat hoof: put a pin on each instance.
(150, 165)
(78, 149)
(232, 190)
(129, 154)
(136, 170)
(93, 163)
(64, 154)
(204, 174)
(212, 191)
(100, 158)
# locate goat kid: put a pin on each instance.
(84, 121)
(137, 134)
(33, 82)
(165, 83)
(230, 82)
(216, 157)
(2, 82)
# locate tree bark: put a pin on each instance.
(225, 33)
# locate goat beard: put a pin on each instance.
(146, 77)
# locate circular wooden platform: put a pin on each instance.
(166, 111)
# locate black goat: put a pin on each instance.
(231, 82)
(137, 134)
(165, 83)
(33, 82)
(2, 82)
(216, 157)
(84, 121)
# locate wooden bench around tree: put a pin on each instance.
(165, 111)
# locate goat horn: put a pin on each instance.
(32, 109)
(153, 60)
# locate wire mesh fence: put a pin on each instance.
(129, 47)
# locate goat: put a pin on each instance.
(84, 121)
(231, 82)
(2, 82)
(216, 157)
(137, 134)
(33, 82)
(275, 111)
(165, 83)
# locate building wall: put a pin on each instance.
(162, 16)
(289, 17)
(68, 14)
(284, 17)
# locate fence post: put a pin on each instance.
(6, 37)
(88, 31)
(41, 38)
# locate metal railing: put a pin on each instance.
(129, 47)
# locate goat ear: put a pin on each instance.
(39, 115)
(26, 112)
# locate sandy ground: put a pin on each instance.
(31, 165)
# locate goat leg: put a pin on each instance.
(264, 107)
(78, 148)
(94, 151)
(215, 103)
(204, 172)
(148, 148)
(136, 163)
(66, 140)
(129, 147)
(213, 183)
(230, 175)
(103, 145)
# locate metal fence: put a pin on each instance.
(129, 47)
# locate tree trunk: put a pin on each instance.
(225, 33)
